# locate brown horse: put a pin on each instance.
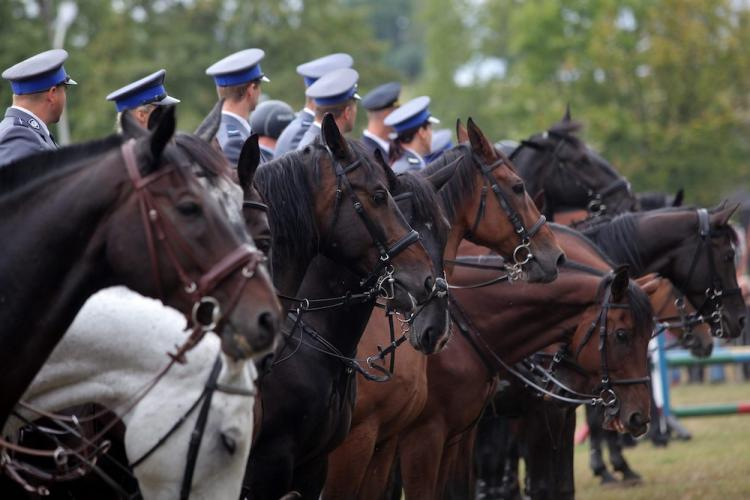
(461, 379)
(109, 213)
(382, 411)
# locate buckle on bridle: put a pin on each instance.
(519, 257)
(215, 313)
(385, 285)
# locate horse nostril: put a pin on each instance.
(266, 328)
(637, 420)
(427, 338)
(429, 283)
(561, 260)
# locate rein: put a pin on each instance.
(159, 229)
(522, 253)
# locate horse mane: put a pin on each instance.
(212, 163)
(38, 167)
(618, 238)
(425, 202)
(461, 183)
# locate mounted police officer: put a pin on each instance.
(379, 103)
(310, 71)
(335, 93)
(268, 120)
(238, 80)
(413, 137)
(442, 141)
(142, 97)
(39, 96)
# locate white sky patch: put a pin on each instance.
(480, 70)
(626, 20)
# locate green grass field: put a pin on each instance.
(715, 464)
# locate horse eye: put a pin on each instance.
(729, 257)
(379, 197)
(519, 188)
(189, 209)
(263, 244)
(622, 335)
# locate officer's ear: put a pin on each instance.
(210, 124)
(248, 162)
(333, 139)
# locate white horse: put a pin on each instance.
(116, 345)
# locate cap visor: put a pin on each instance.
(264, 78)
(167, 101)
(70, 81)
(434, 120)
(356, 97)
(392, 136)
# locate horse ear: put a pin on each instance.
(620, 283)
(462, 136)
(439, 178)
(649, 283)
(479, 142)
(678, 198)
(248, 162)
(378, 155)
(566, 116)
(131, 129)
(210, 124)
(539, 200)
(721, 216)
(161, 135)
(332, 137)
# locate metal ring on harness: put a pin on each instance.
(518, 251)
(215, 313)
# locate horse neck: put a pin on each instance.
(517, 320)
(114, 348)
(56, 276)
(342, 326)
(529, 169)
(660, 235)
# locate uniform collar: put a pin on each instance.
(42, 125)
(243, 121)
(417, 155)
(308, 111)
(385, 145)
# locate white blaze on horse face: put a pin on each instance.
(115, 346)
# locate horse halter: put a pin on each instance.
(607, 396)
(522, 253)
(158, 228)
(715, 293)
(382, 274)
(595, 205)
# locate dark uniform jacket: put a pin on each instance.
(22, 135)
(292, 134)
(232, 135)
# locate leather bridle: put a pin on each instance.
(595, 205)
(715, 293)
(159, 230)
(522, 253)
(382, 274)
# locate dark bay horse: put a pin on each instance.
(694, 251)
(129, 214)
(558, 165)
(360, 466)
(312, 371)
(461, 379)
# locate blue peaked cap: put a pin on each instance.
(410, 115)
(335, 87)
(240, 67)
(38, 73)
(312, 70)
(147, 90)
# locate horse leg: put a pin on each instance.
(596, 461)
(510, 488)
(491, 454)
(374, 485)
(542, 436)
(618, 459)
(421, 452)
(348, 464)
(564, 469)
(455, 480)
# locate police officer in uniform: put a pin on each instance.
(238, 79)
(142, 97)
(310, 71)
(379, 103)
(413, 137)
(39, 96)
(268, 120)
(335, 93)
